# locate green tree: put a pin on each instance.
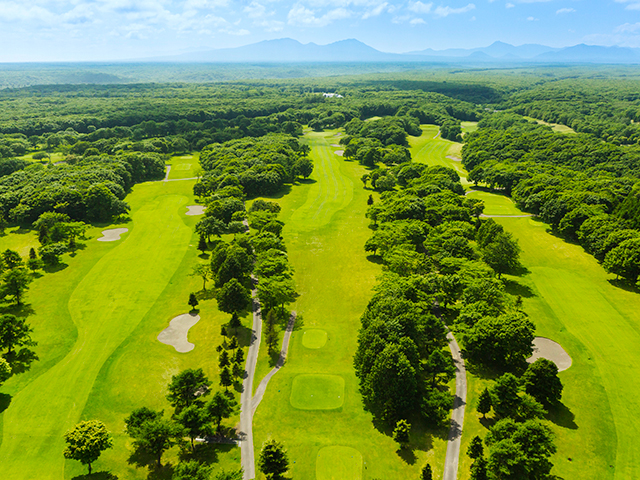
(192, 419)
(401, 433)
(191, 470)
(277, 291)
(134, 422)
(484, 402)
(5, 370)
(204, 272)
(502, 254)
(223, 359)
(504, 395)
(202, 244)
(86, 441)
(156, 437)
(16, 282)
(193, 301)
(438, 365)
(219, 407)
(541, 381)
(226, 379)
(233, 297)
(475, 450)
(11, 259)
(14, 333)
(273, 461)
(186, 387)
(479, 470)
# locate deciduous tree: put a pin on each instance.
(86, 441)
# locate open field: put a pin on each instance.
(572, 300)
(554, 126)
(325, 230)
(96, 323)
(185, 166)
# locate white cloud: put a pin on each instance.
(627, 28)
(446, 11)
(271, 25)
(417, 21)
(509, 5)
(375, 11)
(565, 10)
(633, 4)
(300, 15)
(255, 10)
(532, 19)
(419, 7)
(12, 12)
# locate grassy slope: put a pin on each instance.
(96, 323)
(325, 233)
(568, 295)
(185, 166)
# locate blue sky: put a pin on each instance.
(65, 30)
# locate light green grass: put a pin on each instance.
(572, 301)
(314, 338)
(334, 279)
(339, 463)
(96, 323)
(432, 149)
(496, 204)
(556, 127)
(468, 127)
(317, 392)
(185, 166)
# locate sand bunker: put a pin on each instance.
(335, 145)
(112, 234)
(194, 210)
(176, 333)
(546, 348)
(339, 152)
(454, 158)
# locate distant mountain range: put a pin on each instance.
(287, 50)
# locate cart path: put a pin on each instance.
(257, 398)
(457, 416)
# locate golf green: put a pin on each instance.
(317, 392)
(314, 338)
(339, 463)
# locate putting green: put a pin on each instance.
(182, 166)
(314, 338)
(339, 463)
(317, 392)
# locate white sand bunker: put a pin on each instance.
(546, 348)
(454, 158)
(339, 152)
(194, 210)
(112, 234)
(335, 145)
(176, 333)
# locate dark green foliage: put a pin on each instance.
(156, 437)
(273, 461)
(484, 402)
(193, 421)
(426, 473)
(226, 379)
(139, 416)
(191, 470)
(504, 395)
(233, 297)
(475, 450)
(15, 283)
(542, 382)
(86, 441)
(186, 387)
(193, 300)
(219, 407)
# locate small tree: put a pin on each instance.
(427, 474)
(273, 461)
(202, 243)
(226, 380)
(14, 333)
(5, 370)
(193, 301)
(134, 422)
(235, 322)
(203, 271)
(233, 297)
(475, 450)
(192, 419)
(185, 385)
(156, 437)
(218, 407)
(239, 356)
(542, 382)
(15, 283)
(484, 402)
(370, 202)
(86, 441)
(223, 359)
(401, 433)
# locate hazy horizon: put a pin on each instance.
(108, 30)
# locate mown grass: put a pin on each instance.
(572, 300)
(185, 166)
(556, 127)
(96, 322)
(325, 231)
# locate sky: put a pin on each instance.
(104, 30)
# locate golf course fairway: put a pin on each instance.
(96, 322)
(325, 231)
(573, 301)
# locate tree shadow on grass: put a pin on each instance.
(55, 268)
(624, 285)
(562, 416)
(204, 256)
(206, 452)
(515, 288)
(97, 476)
(407, 455)
(377, 259)
(306, 181)
(284, 191)
(5, 401)
(22, 310)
